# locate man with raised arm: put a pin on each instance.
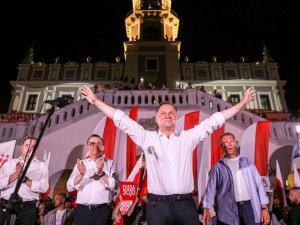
(169, 157)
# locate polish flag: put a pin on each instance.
(187, 122)
(118, 145)
(6, 151)
(280, 187)
(209, 152)
(296, 177)
(255, 145)
(108, 131)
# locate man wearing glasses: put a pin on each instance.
(96, 180)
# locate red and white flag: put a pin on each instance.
(208, 154)
(280, 187)
(255, 145)
(296, 177)
(6, 151)
(187, 122)
(118, 145)
(108, 131)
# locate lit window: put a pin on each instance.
(265, 102)
(31, 102)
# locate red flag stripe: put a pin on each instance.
(45, 194)
(109, 138)
(280, 187)
(261, 146)
(190, 120)
(131, 146)
(280, 190)
(216, 150)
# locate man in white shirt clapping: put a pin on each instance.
(96, 181)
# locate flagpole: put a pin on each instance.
(14, 203)
(14, 151)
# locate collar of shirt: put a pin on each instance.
(20, 159)
(175, 133)
(101, 157)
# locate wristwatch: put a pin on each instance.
(102, 174)
(264, 208)
(25, 179)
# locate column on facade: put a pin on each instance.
(277, 103)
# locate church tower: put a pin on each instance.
(152, 52)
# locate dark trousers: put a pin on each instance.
(26, 215)
(85, 215)
(171, 210)
(246, 215)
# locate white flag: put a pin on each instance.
(6, 151)
(296, 177)
(280, 187)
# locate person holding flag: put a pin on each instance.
(96, 180)
(169, 156)
(35, 182)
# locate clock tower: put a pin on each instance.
(152, 52)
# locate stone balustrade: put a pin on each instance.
(149, 99)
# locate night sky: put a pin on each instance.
(74, 30)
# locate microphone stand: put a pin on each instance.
(14, 203)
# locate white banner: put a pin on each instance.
(6, 151)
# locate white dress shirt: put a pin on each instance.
(37, 172)
(92, 191)
(169, 160)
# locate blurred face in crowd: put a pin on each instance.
(42, 209)
(294, 196)
(59, 200)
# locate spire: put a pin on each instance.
(29, 57)
(266, 56)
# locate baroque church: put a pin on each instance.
(152, 72)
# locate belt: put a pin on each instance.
(3, 202)
(174, 197)
(241, 203)
(29, 203)
(90, 207)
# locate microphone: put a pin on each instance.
(59, 102)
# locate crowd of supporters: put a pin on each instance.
(16, 116)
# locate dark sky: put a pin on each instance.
(74, 30)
